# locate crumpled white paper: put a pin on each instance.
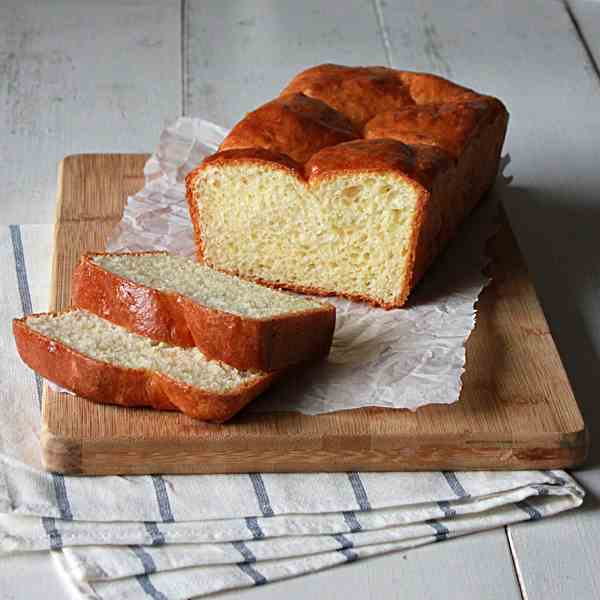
(403, 358)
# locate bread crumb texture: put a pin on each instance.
(90, 335)
(204, 285)
(350, 233)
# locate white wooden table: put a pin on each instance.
(106, 76)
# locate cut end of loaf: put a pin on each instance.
(96, 338)
(351, 235)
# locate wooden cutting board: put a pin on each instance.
(516, 410)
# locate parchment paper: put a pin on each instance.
(403, 358)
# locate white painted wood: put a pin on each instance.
(241, 53)
(80, 77)
(529, 55)
(586, 13)
(559, 558)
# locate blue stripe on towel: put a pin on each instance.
(359, 491)
(39, 386)
(157, 536)
(534, 513)
(23, 285)
(162, 497)
(255, 528)
(540, 488)
(247, 554)
(145, 558)
(446, 508)
(441, 531)
(352, 521)
(455, 484)
(343, 541)
(60, 488)
(149, 588)
(350, 555)
(555, 478)
(58, 480)
(258, 578)
(49, 524)
(261, 494)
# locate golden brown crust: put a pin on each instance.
(293, 124)
(448, 126)
(417, 162)
(256, 155)
(141, 309)
(244, 343)
(426, 88)
(413, 124)
(190, 191)
(457, 193)
(106, 383)
(363, 92)
(358, 92)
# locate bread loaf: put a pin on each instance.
(349, 183)
(175, 300)
(108, 364)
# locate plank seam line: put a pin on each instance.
(383, 32)
(515, 563)
(581, 37)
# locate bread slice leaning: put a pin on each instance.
(175, 300)
(106, 363)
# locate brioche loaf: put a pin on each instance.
(176, 300)
(108, 364)
(349, 183)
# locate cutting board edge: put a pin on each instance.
(120, 457)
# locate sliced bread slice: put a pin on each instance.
(110, 365)
(176, 300)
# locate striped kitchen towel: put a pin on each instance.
(172, 537)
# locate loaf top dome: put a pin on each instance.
(333, 118)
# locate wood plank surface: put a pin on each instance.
(585, 15)
(516, 410)
(267, 44)
(80, 77)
